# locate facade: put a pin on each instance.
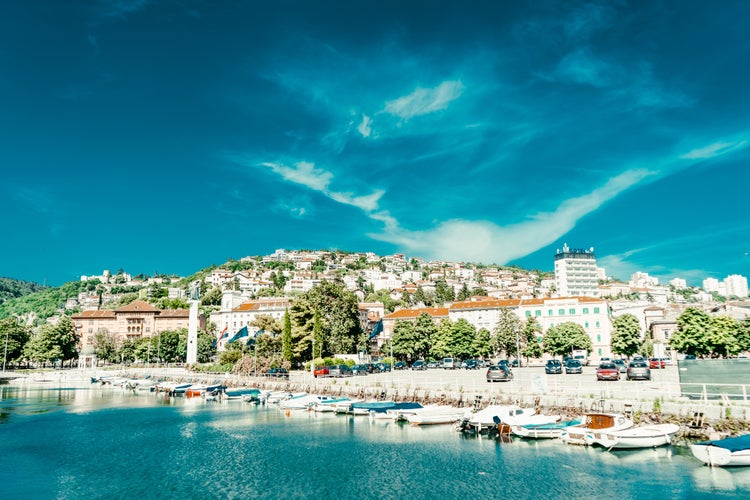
(236, 314)
(576, 273)
(736, 286)
(130, 322)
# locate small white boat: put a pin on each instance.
(728, 452)
(595, 422)
(543, 431)
(435, 415)
(306, 401)
(506, 415)
(644, 436)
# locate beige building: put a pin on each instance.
(135, 320)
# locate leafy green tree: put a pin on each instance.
(286, 338)
(690, 336)
(419, 296)
(721, 338)
(626, 336)
(105, 347)
(464, 293)
(53, 342)
(507, 331)
(212, 297)
(483, 343)
(462, 339)
(267, 323)
(424, 333)
(563, 338)
(268, 345)
(17, 336)
(532, 332)
(206, 347)
(743, 335)
(383, 296)
(318, 339)
(441, 345)
(403, 340)
(443, 292)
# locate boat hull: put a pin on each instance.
(638, 437)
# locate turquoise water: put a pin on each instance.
(104, 443)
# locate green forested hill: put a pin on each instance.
(44, 302)
(11, 288)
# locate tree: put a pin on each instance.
(286, 338)
(105, 347)
(53, 342)
(419, 296)
(690, 336)
(212, 297)
(483, 343)
(563, 338)
(743, 335)
(532, 333)
(403, 339)
(443, 292)
(721, 338)
(442, 339)
(464, 293)
(17, 337)
(267, 323)
(462, 339)
(626, 336)
(507, 331)
(206, 347)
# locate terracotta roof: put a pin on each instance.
(255, 305)
(137, 306)
(175, 313)
(94, 314)
(435, 312)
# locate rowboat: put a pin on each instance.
(728, 452)
(543, 431)
(644, 436)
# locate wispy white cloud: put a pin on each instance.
(486, 241)
(425, 100)
(317, 179)
(714, 150)
(581, 66)
(121, 8)
(364, 126)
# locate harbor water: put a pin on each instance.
(101, 442)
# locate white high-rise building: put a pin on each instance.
(576, 273)
(736, 285)
(678, 283)
(710, 285)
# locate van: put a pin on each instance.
(449, 363)
(582, 355)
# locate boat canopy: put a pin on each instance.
(738, 443)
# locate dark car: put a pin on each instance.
(419, 365)
(383, 367)
(277, 373)
(638, 370)
(621, 366)
(498, 373)
(607, 371)
(360, 370)
(400, 365)
(573, 366)
(470, 364)
(340, 371)
(553, 367)
(516, 363)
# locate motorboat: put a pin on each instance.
(727, 452)
(592, 423)
(435, 415)
(543, 431)
(643, 436)
(306, 401)
(242, 393)
(494, 416)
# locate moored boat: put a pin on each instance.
(232, 393)
(595, 422)
(543, 431)
(436, 415)
(727, 452)
(501, 417)
(644, 436)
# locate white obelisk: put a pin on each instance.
(192, 340)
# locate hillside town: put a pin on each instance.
(578, 291)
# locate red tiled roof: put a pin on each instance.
(137, 306)
(435, 312)
(94, 314)
(256, 304)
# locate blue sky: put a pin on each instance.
(166, 136)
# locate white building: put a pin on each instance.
(233, 316)
(711, 285)
(643, 280)
(576, 273)
(678, 283)
(736, 286)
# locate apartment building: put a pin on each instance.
(576, 272)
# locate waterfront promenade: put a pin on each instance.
(530, 386)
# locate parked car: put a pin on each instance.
(383, 367)
(419, 365)
(638, 370)
(656, 363)
(573, 366)
(360, 369)
(432, 364)
(607, 371)
(516, 363)
(470, 364)
(340, 371)
(277, 373)
(498, 373)
(450, 363)
(321, 371)
(621, 366)
(400, 365)
(553, 366)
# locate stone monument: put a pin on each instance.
(194, 297)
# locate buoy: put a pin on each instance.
(287, 413)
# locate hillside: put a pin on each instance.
(12, 288)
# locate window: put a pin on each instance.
(561, 312)
(596, 310)
(597, 324)
(549, 312)
(600, 352)
(585, 310)
(586, 324)
(571, 311)
(528, 314)
(598, 338)
(538, 312)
